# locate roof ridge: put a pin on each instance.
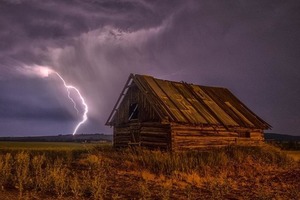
(182, 82)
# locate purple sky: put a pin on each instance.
(250, 47)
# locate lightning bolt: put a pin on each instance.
(44, 71)
(69, 93)
(68, 87)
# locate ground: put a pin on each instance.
(151, 175)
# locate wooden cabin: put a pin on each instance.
(175, 116)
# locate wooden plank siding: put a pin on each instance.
(155, 135)
(182, 137)
(121, 136)
(197, 137)
(151, 135)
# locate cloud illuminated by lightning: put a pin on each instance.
(45, 71)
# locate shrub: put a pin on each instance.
(37, 163)
(22, 171)
(59, 174)
(75, 186)
(144, 191)
(6, 162)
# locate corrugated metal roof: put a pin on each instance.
(193, 104)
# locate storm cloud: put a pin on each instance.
(250, 47)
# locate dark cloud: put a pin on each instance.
(251, 47)
(31, 99)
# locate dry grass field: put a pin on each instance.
(294, 154)
(87, 171)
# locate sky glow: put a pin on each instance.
(45, 71)
(250, 47)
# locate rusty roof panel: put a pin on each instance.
(172, 110)
(214, 107)
(219, 96)
(194, 104)
(195, 107)
(243, 115)
(181, 103)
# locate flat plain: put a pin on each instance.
(51, 170)
(7, 145)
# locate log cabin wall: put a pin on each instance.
(153, 135)
(144, 129)
(185, 137)
(175, 116)
(121, 136)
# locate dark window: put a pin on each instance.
(245, 134)
(133, 111)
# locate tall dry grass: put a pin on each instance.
(56, 177)
(22, 171)
(167, 163)
(37, 166)
(5, 169)
(218, 172)
(90, 175)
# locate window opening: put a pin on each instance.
(133, 111)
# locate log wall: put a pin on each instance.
(155, 136)
(121, 136)
(151, 135)
(196, 137)
(176, 137)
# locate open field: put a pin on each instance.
(52, 150)
(29, 171)
(46, 146)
